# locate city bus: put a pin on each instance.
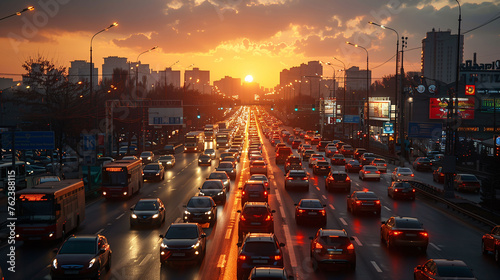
(210, 131)
(50, 210)
(194, 141)
(222, 141)
(121, 178)
(20, 175)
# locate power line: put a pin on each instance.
(488, 22)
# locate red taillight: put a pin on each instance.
(305, 178)
(243, 193)
(323, 212)
(395, 233)
(377, 201)
(242, 257)
(424, 234)
(331, 178)
(289, 178)
(412, 175)
(347, 179)
(268, 218)
(350, 247)
(396, 190)
(366, 172)
(378, 172)
(302, 211)
(413, 190)
(399, 174)
(317, 245)
(358, 201)
(277, 155)
(385, 164)
(277, 257)
(265, 193)
(266, 184)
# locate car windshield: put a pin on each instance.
(217, 176)
(363, 195)
(410, 223)
(339, 177)
(146, 205)
(454, 271)
(166, 157)
(204, 157)
(254, 188)
(338, 156)
(403, 185)
(297, 174)
(152, 167)
(322, 163)
(424, 160)
(209, 151)
(261, 247)
(370, 168)
(211, 185)
(471, 178)
(78, 246)
(311, 204)
(201, 202)
(335, 241)
(146, 154)
(258, 178)
(379, 161)
(259, 163)
(353, 162)
(182, 232)
(404, 170)
(255, 211)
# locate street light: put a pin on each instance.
(333, 81)
(367, 95)
(137, 65)
(396, 76)
(344, 105)
(30, 8)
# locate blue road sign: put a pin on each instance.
(29, 140)
(89, 142)
(351, 119)
(388, 128)
(425, 130)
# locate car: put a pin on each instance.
(380, 164)
(332, 247)
(315, 141)
(46, 179)
(221, 175)
(467, 182)
(363, 201)
(167, 161)
(123, 151)
(255, 217)
(130, 158)
(146, 157)
(296, 143)
(232, 159)
(303, 146)
(204, 160)
(369, 172)
(293, 163)
(258, 249)
(260, 177)
(402, 174)
(443, 269)
(228, 167)
(310, 210)
(438, 175)
(282, 154)
(359, 152)
(147, 211)
(401, 189)
(82, 256)
(297, 179)
(258, 167)
(352, 165)
(210, 152)
(183, 242)
(154, 171)
(200, 209)
(330, 150)
(422, 163)
(169, 150)
(236, 153)
(276, 140)
(321, 145)
(367, 158)
(321, 167)
(338, 159)
(338, 180)
(269, 273)
(279, 145)
(404, 231)
(314, 157)
(215, 189)
(225, 154)
(347, 150)
(437, 161)
(306, 154)
(254, 191)
(490, 242)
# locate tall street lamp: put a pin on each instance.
(367, 95)
(137, 65)
(396, 76)
(344, 105)
(30, 8)
(332, 92)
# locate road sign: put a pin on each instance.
(388, 128)
(89, 142)
(351, 119)
(425, 130)
(29, 140)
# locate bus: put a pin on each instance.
(194, 141)
(121, 178)
(210, 131)
(50, 210)
(21, 182)
(222, 141)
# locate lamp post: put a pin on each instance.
(367, 95)
(344, 105)
(332, 92)
(137, 65)
(395, 77)
(30, 8)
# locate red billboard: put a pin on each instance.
(438, 108)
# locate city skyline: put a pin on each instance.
(238, 38)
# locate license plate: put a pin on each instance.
(71, 272)
(255, 224)
(411, 234)
(178, 254)
(335, 253)
(313, 213)
(368, 203)
(260, 261)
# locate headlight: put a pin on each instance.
(134, 216)
(91, 263)
(169, 162)
(208, 212)
(196, 245)
(163, 245)
(199, 160)
(149, 158)
(155, 216)
(187, 212)
(220, 193)
(202, 193)
(54, 263)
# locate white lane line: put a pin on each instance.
(324, 197)
(282, 211)
(331, 206)
(388, 209)
(343, 221)
(228, 233)
(318, 188)
(146, 259)
(291, 251)
(375, 265)
(109, 224)
(222, 261)
(435, 246)
(120, 216)
(101, 230)
(357, 241)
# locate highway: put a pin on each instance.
(136, 251)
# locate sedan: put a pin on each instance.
(200, 209)
(332, 247)
(210, 152)
(228, 167)
(491, 243)
(380, 164)
(306, 154)
(147, 211)
(183, 242)
(221, 175)
(352, 166)
(269, 273)
(467, 182)
(402, 174)
(404, 231)
(442, 269)
(215, 189)
(338, 159)
(297, 179)
(422, 163)
(338, 180)
(321, 167)
(167, 161)
(310, 210)
(369, 172)
(400, 189)
(154, 171)
(204, 160)
(255, 217)
(438, 175)
(314, 157)
(363, 201)
(258, 167)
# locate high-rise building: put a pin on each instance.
(79, 71)
(198, 80)
(166, 77)
(305, 79)
(439, 55)
(114, 62)
(356, 79)
(228, 86)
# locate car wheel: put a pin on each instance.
(483, 248)
(108, 265)
(315, 264)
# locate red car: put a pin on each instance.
(491, 243)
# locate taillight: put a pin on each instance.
(377, 201)
(395, 233)
(243, 193)
(350, 247)
(242, 257)
(424, 234)
(413, 190)
(277, 154)
(265, 193)
(378, 172)
(266, 184)
(305, 178)
(412, 175)
(323, 212)
(242, 217)
(399, 174)
(396, 190)
(317, 245)
(358, 201)
(366, 172)
(277, 257)
(268, 218)
(302, 211)
(347, 179)
(289, 178)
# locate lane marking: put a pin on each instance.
(228, 233)
(318, 188)
(146, 259)
(324, 197)
(357, 241)
(101, 230)
(343, 221)
(120, 216)
(291, 251)
(282, 211)
(388, 209)
(435, 246)
(375, 265)
(331, 206)
(222, 261)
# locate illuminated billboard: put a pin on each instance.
(438, 108)
(379, 109)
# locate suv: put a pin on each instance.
(321, 146)
(338, 180)
(297, 179)
(258, 249)
(321, 167)
(254, 191)
(331, 247)
(255, 217)
(293, 163)
(183, 242)
(282, 154)
(296, 143)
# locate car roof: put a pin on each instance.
(255, 204)
(255, 237)
(183, 225)
(87, 237)
(449, 262)
(253, 182)
(296, 171)
(333, 232)
(310, 200)
(273, 272)
(148, 199)
(399, 218)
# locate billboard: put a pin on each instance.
(29, 140)
(380, 109)
(438, 108)
(165, 116)
(351, 119)
(425, 130)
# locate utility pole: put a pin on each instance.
(404, 44)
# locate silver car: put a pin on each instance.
(402, 173)
(297, 179)
(380, 164)
(369, 172)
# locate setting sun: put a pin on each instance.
(249, 79)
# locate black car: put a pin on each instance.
(204, 160)
(254, 191)
(255, 217)
(183, 242)
(310, 210)
(147, 211)
(338, 180)
(200, 209)
(169, 150)
(258, 249)
(154, 171)
(84, 256)
(215, 189)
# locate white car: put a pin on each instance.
(380, 164)
(369, 172)
(402, 173)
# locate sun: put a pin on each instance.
(249, 79)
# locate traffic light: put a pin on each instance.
(272, 107)
(198, 116)
(296, 108)
(313, 107)
(497, 145)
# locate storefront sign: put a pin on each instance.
(438, 108)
